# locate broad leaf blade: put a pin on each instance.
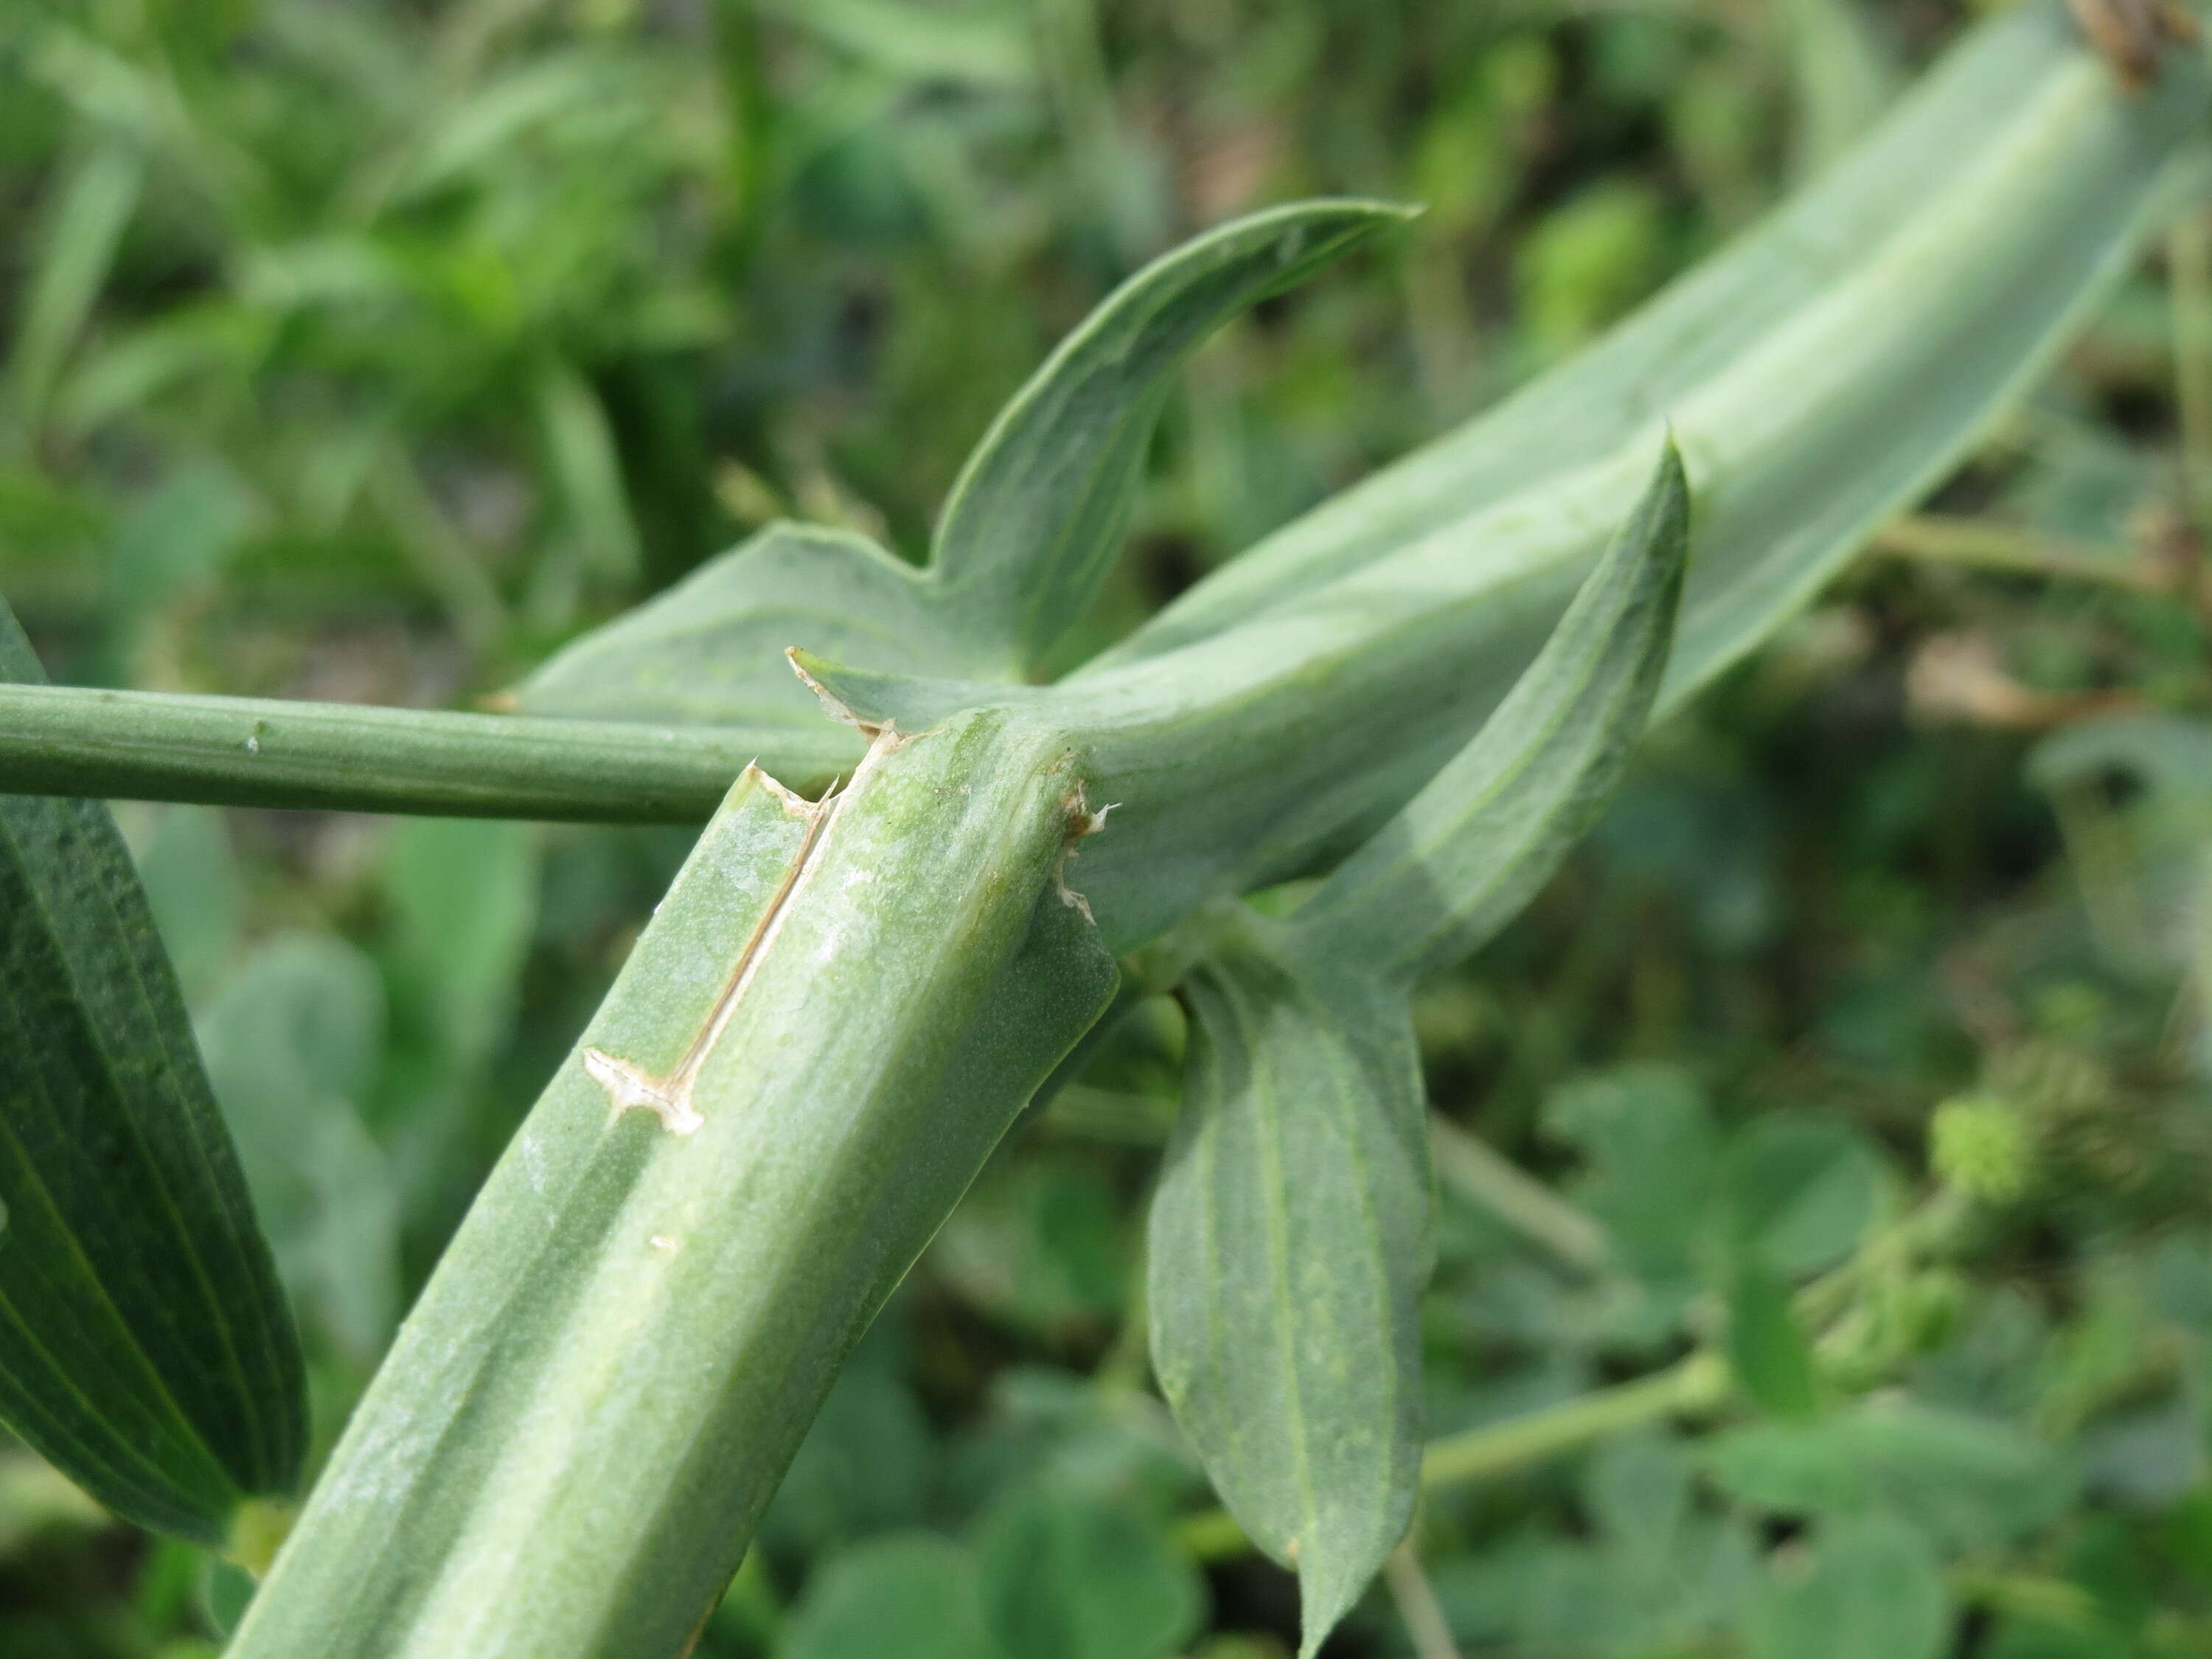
(1289, 1242)
(144, 1347)
(1037, 515)
(1466, 853)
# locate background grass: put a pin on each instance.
(370, 350)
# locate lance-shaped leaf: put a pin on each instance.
(1038, 514)
(144, 1347)
(1289, 1243)
(1464, 855)
(1029, 531)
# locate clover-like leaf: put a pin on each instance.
(145, 1349)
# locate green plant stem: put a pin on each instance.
(1696, 1384)
(2189, 269)
(240, 751)
(566, 1453)
(1976, 543)
(1417, 1608)
(1468, 1164)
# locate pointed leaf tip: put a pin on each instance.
(1467, 852)
(1035, 519)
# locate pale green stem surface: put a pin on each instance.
(834, 1018)
(241, 751)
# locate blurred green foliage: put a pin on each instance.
(369, 350)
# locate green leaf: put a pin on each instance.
(1843, 71)
(1030, 530)
(709, 651)
(1468, 853)
(1766, 1345)
(97, 198)
(1068, 1576)
(191, 880)
(144, 1347)
(1870, 1590)
(580, 453)
(1647, 1131)
(1037, 515)
(295, 1041)
(1968, 1480)
(464, 896)
(1289, 1242)
(1799, 1192)
(912, 1593)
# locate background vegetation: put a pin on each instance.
(370, 350)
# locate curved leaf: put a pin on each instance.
(1029, 533)
(1035, 521)
(1464, 855)
(1289, 1242)
(1822, 372)
(144, 1347)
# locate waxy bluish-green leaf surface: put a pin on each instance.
(1289, 1232)
(1038, 516)
(1471, 849)
(1817, 378)
(1029, 531)
(833, 1018)
(1288, 1245)
(144, 1347)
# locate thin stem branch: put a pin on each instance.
(1977, 543)
(1695, 1384)
(241, 751)
(1485, 1178)
(2189, 272)
(1416, 1601)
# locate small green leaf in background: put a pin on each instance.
(912, 1594)
(1289, 1243)
(1653, 1152)
(464, 896)
(1659, 1574)
(1067, 1575)
(1866, 1589)
(1766, 1345)
(190, 874)
(868, 1465)
(295, 1041)
(93, 203)
(1799, 1192)
(1967, 1481)
(144, 1346)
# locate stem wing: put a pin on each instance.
(145, 1349)
(1289, 1242)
